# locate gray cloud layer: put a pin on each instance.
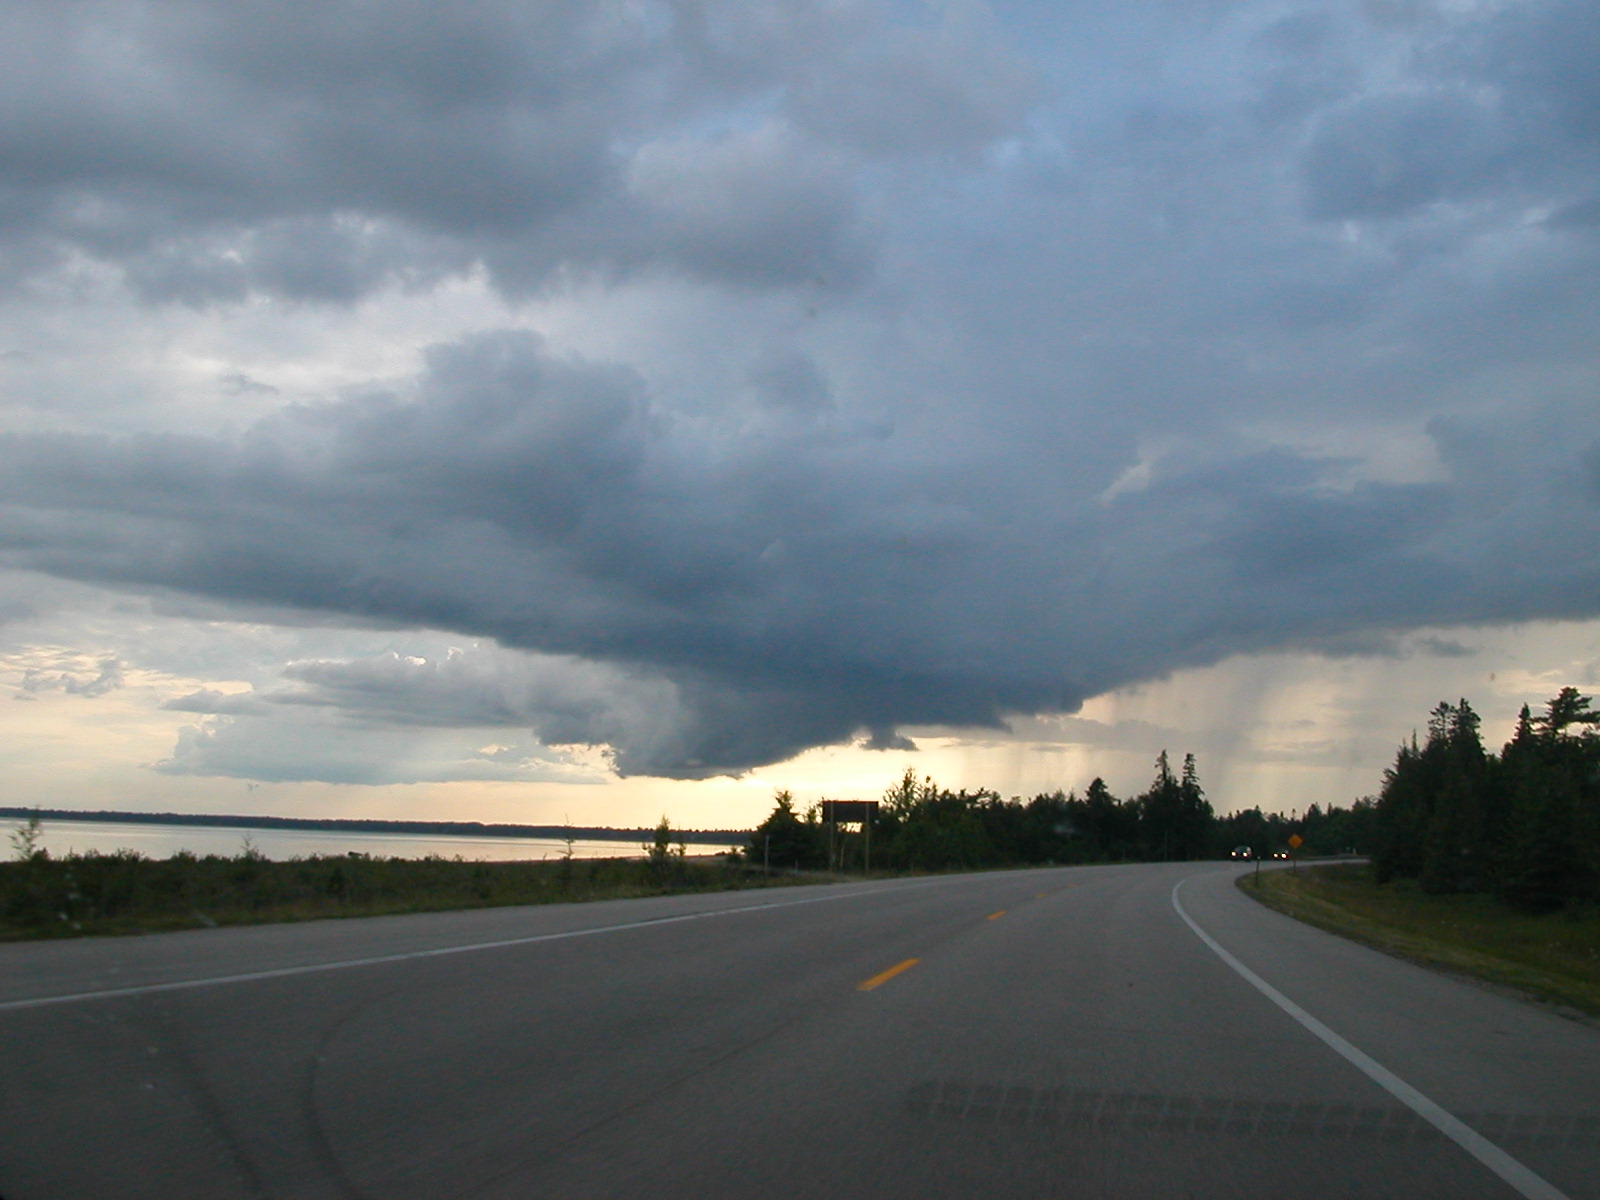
(319, 150)
(1287, 340)
(794, 582)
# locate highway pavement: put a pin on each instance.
(1106, 1032)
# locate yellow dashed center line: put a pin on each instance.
(995, 916)
(883, 977)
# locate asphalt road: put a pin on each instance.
(1061, 1033)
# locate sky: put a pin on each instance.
(588, 410)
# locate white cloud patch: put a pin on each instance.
(304, 747)
(331, 716)
(97, 680)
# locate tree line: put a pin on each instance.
(1523, 825)
(922, 826)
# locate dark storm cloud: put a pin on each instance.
(1386, 155)
(776, 586)
(1507, 109)
(1547, 59)
(317, 150)
(1262, 329)
(1444, 647)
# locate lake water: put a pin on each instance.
(163, 841)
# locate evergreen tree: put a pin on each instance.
(785, 840)
(1164, 823)
(1110, 826)
(1194, 813)
(1552, 779)
(1455, 850)
(1525, 824)
(1566, 709)
(1405, 806)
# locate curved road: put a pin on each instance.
(1113, 1032)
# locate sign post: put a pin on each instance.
(851, 812)
(1295, 842)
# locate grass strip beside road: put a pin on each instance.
(1553, 957)
(81, 895)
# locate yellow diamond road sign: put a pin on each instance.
(1295, 841)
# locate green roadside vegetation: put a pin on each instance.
(124, 893)
(1483, 863)
(1551, 955)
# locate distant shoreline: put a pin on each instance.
(582, 833)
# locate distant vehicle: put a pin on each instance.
(1241, 852)
(1280, 854)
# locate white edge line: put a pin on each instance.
(181, 985)
(1526, 1183)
